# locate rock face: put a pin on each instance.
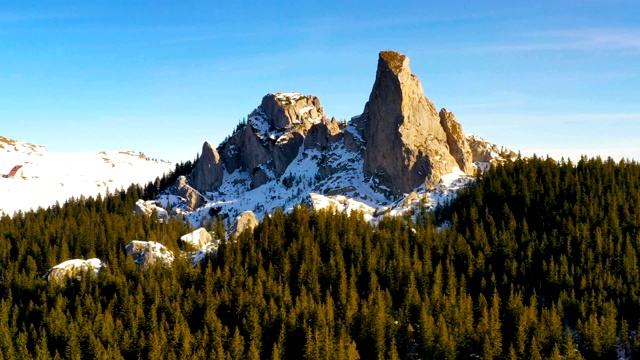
(73, 267)
(456, 140)
(245, 221)
(405, 143)
(207, 172)
(146, 208)
(193, 198)
(286, 109)
(484, 151)
(147, 253)
(287, 149)
(272, 137)
(198, 238)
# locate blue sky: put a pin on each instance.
(551, 77)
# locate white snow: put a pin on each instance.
(288, 96)
(138, 248)
(93, 264)
(344, 190)
(194, 237)
(49, 177)
(203, 252)
(73, 267)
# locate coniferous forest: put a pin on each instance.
(539, 259)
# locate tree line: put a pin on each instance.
(538, 260)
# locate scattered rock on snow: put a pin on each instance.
(147, 253)
(198, 238)
(73, 267)
(193, 198)
(245, 221)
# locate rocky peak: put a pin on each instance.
(405, 143)
(285, 109)
(208, 172)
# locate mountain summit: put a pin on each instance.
(406, 144)
(288, 152)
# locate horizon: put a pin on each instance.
(554, 78)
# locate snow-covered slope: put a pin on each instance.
(345, 190)
(398, 154)
(47, 177)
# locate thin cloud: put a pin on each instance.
(508, 120)
(21, 17)
(588, 39)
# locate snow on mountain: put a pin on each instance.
(147, 253)
(46, 177)
(344, 191)
(399, 154)
(73, 267)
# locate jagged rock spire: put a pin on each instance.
(405, 143)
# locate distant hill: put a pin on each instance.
(46, 177)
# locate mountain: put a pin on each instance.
(398, 153)
(44, 177)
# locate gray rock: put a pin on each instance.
(274, 134)
(193, 198)
(285, 109)
(484, 151)
(147, 253)
(73, 267)
(245, 221)
(208, 172)
(458, 145)
(322, 135)
(197, 238)
(260, 177)
(285, 152)
(405, 143)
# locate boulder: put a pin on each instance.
(147, 253)
(245, 221)
(208, 172)
(406, 145)
(146, 208)
(193, 198)
(458, 145)
(198, 238)
(73, 267)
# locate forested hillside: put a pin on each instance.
(539, 261)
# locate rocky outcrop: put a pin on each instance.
(456, 140)
(484, 151)
(273, 135)
(147, 253)
(285, 109)
(198, 238)
(245, 221)
(208, 172)
(193, 199)
(146, 208)
(405, 142)
(322, 135)
(73, 267)
(399, 144)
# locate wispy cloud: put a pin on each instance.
(569, 118)
(7, 17)
(586, 39)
